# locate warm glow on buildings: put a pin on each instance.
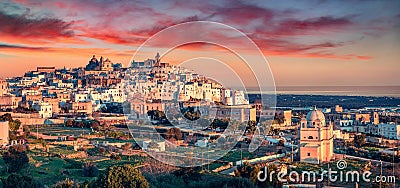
(316, 138)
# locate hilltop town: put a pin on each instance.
(95, 116)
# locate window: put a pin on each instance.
(308, 154)
(310, 137)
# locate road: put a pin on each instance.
(372, 160)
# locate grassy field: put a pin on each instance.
(59, 131)
(235, 155)
(49, 170)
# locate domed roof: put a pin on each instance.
(315, 114)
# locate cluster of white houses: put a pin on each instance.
(151, 85)
(147, 85)
(162, 81)
(51, 92)
(364, 121)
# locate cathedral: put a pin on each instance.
(99, 65)
(316, 138)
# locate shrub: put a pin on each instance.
(90, 170)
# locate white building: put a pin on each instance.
(345, 124)
(201, 143)
(28, 81)
(82, 97)
(216, 94)
(207, 95)
(160, 146)
(389, 130)
(112, 95)
(95, 96)
(45, 109)
(3, 87)
(4, 133)
(239, 98)
(65, 85)
(25, 92)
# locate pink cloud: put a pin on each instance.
(119, 23)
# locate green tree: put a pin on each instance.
(191, 113)
(166, 181)
(359, 140)
(69, 123)
(95, 125)
(251, 127)
(156, 114)
(247, 171)
(218, 123)
(274, 183)
(122, 176)
(115, 156)
(16, 158)
(173, 134)
(251, 172)
(6, 117)
(90, 170)
(26, 129)
(223, 182)
(67, 183)
(14, 125)
(20, 181)
(188, 174)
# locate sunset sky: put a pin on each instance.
(306, 43)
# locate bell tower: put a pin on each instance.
(157, 59)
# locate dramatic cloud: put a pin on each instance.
(32, 50)
(238, 14)
(130, 37)
(27, 28)
(11, 47)
(313, 26)
(279, 30)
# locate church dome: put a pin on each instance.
(315, 115)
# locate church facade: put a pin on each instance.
(316, 138)
(99, 65)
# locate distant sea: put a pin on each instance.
(376, 91)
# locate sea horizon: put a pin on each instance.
(376, 91)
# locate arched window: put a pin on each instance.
(310, 137)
